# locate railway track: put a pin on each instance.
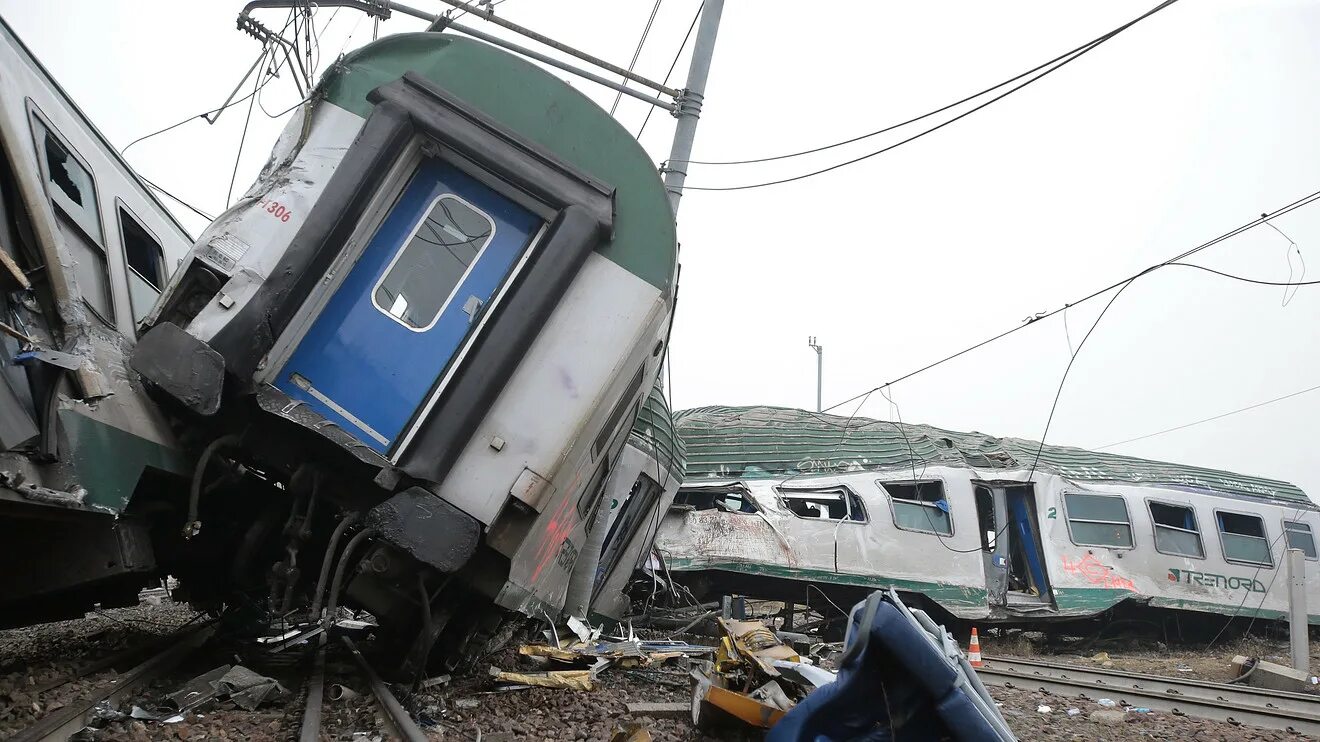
(63, 723)
(1294, 712)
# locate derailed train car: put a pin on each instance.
(85, 249)
(640, 489)
(807, 507)
(429, 325)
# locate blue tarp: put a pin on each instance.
(901, 677)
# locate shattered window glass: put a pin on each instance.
(418, 283)
(834, 503)
(1098, 520)
(919, 506)
(730, 500)
(1175, 530)
(146, 263)
(1243, 538)
(73, 193)
(1299, 537)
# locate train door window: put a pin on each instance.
(919, 506)
(1243, 538)
(445, 244)
(71, 189)
(1299, 536)
(146, 264)
(985, 517)
(729, 499)
(1175, 530)
(1098, 520)
(829, 503)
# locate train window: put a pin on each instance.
(1098, 520)
(146, 264)
(71, 189)
(416, 287)
(729, 499)
(919, 506)
(828, 503)
(1299, 537)
(1175, 530)
(1243, 538)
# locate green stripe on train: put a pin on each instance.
(110, 461)
(539, 107)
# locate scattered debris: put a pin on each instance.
(245, 688)
(567, 679)
(1043, 709)
(630, 733)
(1107, 702)
(660, 710)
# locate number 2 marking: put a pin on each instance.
(1053, 514)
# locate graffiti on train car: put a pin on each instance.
(1096, 573)
(1210, 579)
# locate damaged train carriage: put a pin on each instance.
(85, 248)
(428, 327)
(804, 507)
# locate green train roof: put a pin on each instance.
(654, 433)
(541, 108)
(751, 442)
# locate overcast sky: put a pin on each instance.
(1184, 127)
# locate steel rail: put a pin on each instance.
(1295, 712)
(397, 716)
(63, 723)
(311, 720)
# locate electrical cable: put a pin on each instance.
(618, 96)
(891, 127)
(1304, 201)
(1209, 419)
(937, 127)
(672, 65)
(229, 194)
(178, 200)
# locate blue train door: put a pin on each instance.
(393, 327)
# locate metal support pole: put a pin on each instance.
(689, 103)
(1297, 615)
(820, 366)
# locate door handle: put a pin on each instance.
(472, 308)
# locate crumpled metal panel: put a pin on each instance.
(749, 442)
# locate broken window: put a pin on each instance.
(146, 264)
(830, 503)
(1299, 537)
(1098, 520)
(73, 193)
(1243, 538)
(728, 499)
(985, 518)
(919, 506)
(1175, 530)
(417, 285)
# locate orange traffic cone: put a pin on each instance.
(974, 650)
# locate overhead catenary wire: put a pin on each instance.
(1049, 69)
(637, 53)
(1220, 416)
(1297, 204)
(677, 55)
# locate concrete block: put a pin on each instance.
(1271, 676)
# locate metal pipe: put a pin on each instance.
(1297, 619)
(524, 51)
(368, 7)
(403, 723)
(319, 595)
(689, 103)
(534, 36)
(337, 584)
